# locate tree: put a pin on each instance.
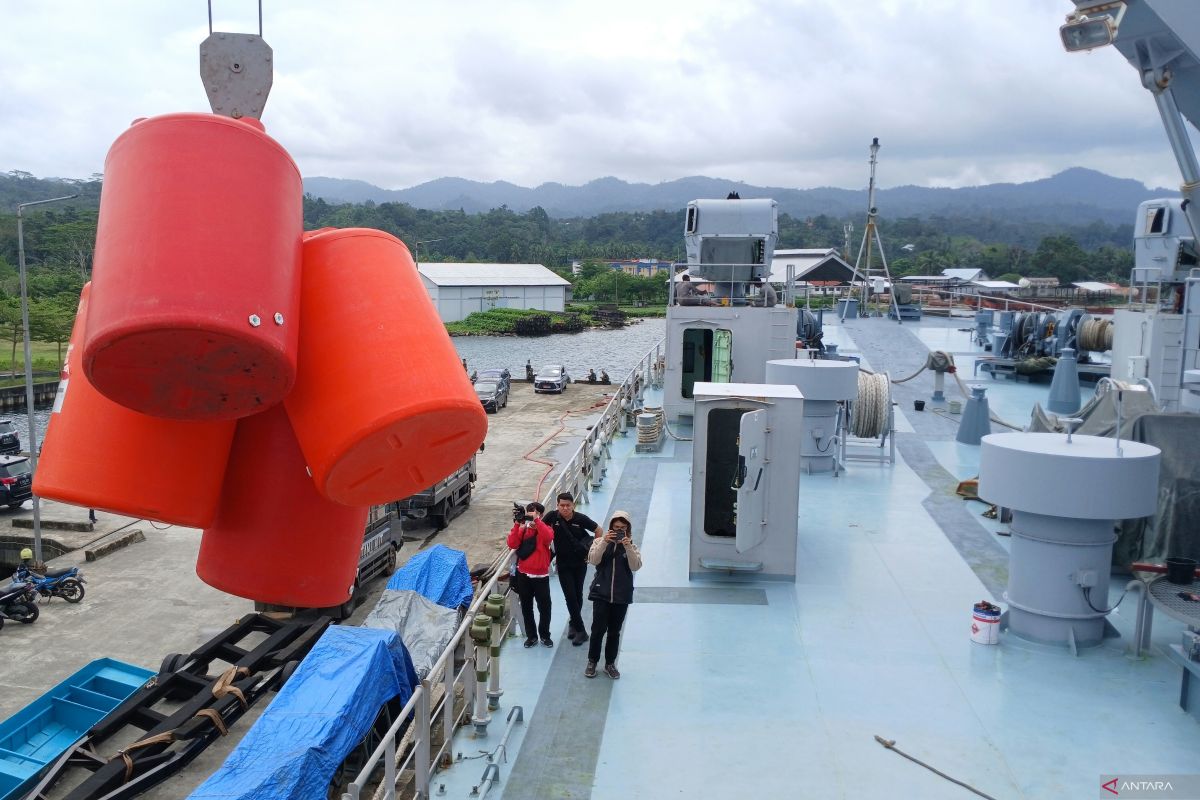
(13, 330)
(1060, 257)
(51, 320)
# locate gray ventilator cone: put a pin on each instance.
(976, 418)
(1064, 388)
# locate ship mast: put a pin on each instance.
(871, 241)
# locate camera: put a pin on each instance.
(519, 513)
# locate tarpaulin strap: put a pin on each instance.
(162, 738)
(213, 716)
(224, 685)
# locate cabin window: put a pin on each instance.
(1156, 219)
(720, 470)
(693, 213)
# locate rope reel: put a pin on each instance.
(871, 410)
(1095, 334)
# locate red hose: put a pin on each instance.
(550, 465)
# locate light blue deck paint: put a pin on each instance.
(783, 699)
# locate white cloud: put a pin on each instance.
(777, 93)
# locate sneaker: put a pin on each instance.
(547, 642)
(530, 642)
(590, 670)
(580, 638)
(611, 671)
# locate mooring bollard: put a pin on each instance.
(481, 634)
(494, 608)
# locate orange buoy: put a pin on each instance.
(382, 406)
(197, 268)
(275, 539)
(101, 455)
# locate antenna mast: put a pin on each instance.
(871, 241)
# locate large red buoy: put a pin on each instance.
(102, 455)
(196, 273)
(381, 406)
(275, 539)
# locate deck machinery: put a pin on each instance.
(1158, 335)
(730, 244)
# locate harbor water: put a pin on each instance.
(615, 350)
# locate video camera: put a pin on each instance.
(520, 514)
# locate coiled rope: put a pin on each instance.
(870, 416)
(1095, 334)
(938, 361)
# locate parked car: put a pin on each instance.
(10, 440)
(551, 378)
(16, 480)
(443, 501)
(494, 396)
(500, 376)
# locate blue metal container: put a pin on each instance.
(38, 734)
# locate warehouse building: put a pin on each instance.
(461, 289)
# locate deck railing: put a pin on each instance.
(580, 474)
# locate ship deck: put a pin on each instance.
(778, 690)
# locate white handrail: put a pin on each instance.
(418, 705)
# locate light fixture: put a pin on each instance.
(1092, 26)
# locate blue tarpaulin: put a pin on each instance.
(439, 573)
(320, 715)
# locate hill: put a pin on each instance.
(1073, 197)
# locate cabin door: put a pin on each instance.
(750, 481)
(722, 358)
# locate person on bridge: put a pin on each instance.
(687, 294)
(616, 558)
(767, 296)
(573, 536)
(531, 538)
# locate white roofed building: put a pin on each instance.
(811, 265)
(965, 274)
(461, 289)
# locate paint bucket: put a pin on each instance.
(1181, 570)
(955, 406)
(197, 270)
(918, 405)
(985, 623)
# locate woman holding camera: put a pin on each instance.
(531, 538)
(616, 558)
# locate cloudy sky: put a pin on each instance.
(773, 92)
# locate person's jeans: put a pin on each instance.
(607, 619)
(571, 578)
(531, 589)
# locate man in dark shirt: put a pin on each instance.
(573, 535)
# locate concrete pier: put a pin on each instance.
(145, 601)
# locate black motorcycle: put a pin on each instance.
(18, 600)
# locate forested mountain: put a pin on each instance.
(1073, 197)
(60, 238)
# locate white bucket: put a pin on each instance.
(985, 626)
(955, 407)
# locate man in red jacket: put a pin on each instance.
(533, 571)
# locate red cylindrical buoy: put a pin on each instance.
(276, 540)
(197, 269)
(101, 455)
(382, 406)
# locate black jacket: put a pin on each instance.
(571, 539)
(615, 565)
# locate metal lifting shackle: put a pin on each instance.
(236, 70)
